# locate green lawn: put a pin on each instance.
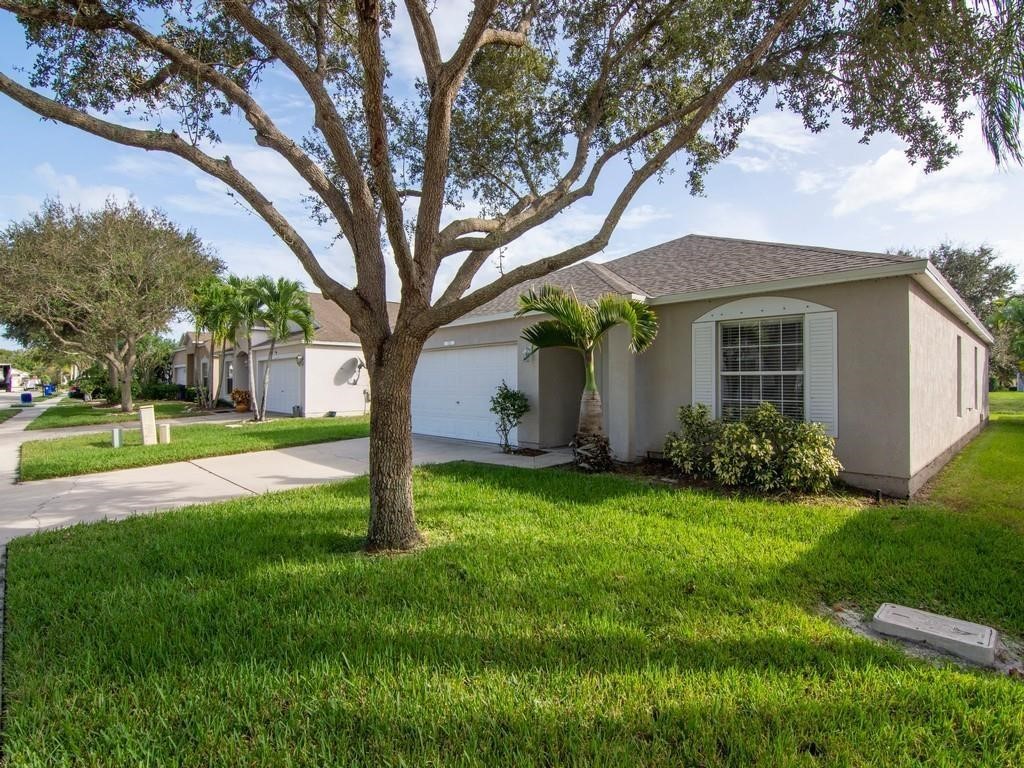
(83, 454)
(554, 619)
(7, 413)
(75, 413)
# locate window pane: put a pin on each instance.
(730, 410)
(730, 387)
(730, 335)
(793, 387)
(751, 387)
(730, 360)
(750, 360)
(749, 335)
(793, 332)
(770, 359)
(770, 332)
(771, 387)
(792, 358)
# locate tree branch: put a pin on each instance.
(685, 133)
(220, 169)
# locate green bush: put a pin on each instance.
(765, 451)
(509, 405)
(161, 391)
(690, 449)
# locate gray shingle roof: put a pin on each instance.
(331, 321)
(698, 263)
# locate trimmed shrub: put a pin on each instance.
(765, 451)
(160, 391)
(691, 447)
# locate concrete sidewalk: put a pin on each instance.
(44, 504)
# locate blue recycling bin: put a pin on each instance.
(49, 389)
(26, 398)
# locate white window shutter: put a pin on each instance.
(703, 356)
(822, 396)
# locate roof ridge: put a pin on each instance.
(802, 247)
(614, 279)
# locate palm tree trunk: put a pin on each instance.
(392, 515)
(252, 377)
(266, 380)
(223, 370)
(591, 421)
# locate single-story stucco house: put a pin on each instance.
(311, 378)
(878, 348)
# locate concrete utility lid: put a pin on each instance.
(975, 642)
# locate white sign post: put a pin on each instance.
(148, 419)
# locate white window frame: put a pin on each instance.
(769, 307)
(719, 372)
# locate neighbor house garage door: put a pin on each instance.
(452, 389)
(283, 392)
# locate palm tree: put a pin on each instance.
(208, 314)
(284, 309)
(581, 326)
(242, 314)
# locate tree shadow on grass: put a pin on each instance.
(922, 556)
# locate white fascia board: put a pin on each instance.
(477, 319)
(810, 281)
(933, 282)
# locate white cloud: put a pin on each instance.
(641, 216)
(750, 163)
(70, 190)
(969, 184)
(782, 131)
(810, 182)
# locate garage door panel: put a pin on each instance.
(284, 390)
(452, 390)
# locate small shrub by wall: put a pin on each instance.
(765, 451)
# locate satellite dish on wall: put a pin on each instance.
(349, 371)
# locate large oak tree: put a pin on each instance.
(539, 103)
(95, 284)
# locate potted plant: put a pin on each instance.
(242, 399)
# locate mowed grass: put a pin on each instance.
(554, 619)
(990, 475)
(84, 454)
(75, 413)
(8, 413)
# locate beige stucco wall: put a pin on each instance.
(935, 422)
(873, 396)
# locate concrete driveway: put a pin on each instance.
(44, 504)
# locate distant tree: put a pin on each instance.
(154, 354)
(1008, 318)
(243, 314)
(534, 107)
(976, 273)
(96, 283)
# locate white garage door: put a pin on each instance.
(452, 389)
(283, 392)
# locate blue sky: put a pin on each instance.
(782, 184)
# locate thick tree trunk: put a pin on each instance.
(392, 515)
(126, 391)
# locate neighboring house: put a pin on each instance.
(1020, 381)
(326, 374)
(878, 348)
(12, 379)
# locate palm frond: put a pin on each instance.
(548, 334)
(611, 310)
(1001, 101)
(564, 307)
